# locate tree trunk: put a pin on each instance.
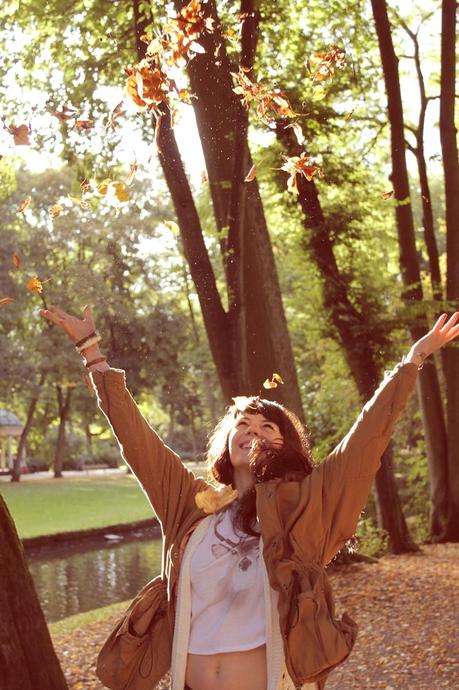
(254, 330)
(428, 388)
(16, 473)
(64, 407)
(451, 173)
(355, 336)
(27, 657)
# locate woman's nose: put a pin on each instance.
(252, 432)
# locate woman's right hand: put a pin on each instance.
(76, 329)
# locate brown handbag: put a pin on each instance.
(137, 653)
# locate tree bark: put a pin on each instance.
(355, 337)
(451, 174)
(27, 657)
(257, 320)
(63, 402)
(16, 473)
(428, 384)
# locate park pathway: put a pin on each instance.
(407, 608)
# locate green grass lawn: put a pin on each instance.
(49, 506)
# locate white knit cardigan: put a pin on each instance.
(278, 678)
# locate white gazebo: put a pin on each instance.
(10, 428)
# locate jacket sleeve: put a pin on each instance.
(347, 473)
(169, 486)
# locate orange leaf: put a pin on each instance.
(5, 300)
(251, 175)
(25, 203)
(121, 192)
(388, 195)
(34, 285)
(84, 124)
(273, 382)
(55, 210)
(78, 200)
(21, 135)
(102, 188)
(16, 261)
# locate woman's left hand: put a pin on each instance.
(444, 330)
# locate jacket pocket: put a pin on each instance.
(134, 660)
(316, 641)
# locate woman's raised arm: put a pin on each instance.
(345, 477)
(170, 487)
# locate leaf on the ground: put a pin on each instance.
(25, 203)
(251, 175)
(21, 135)
(34, 285)
(5, 300)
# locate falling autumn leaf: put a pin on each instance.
(78, 200)
(5, 300)
(103, 187)
(251, 175)
(270, 103)
(133, 167)
(84, 124)
(388, 195)
(172, 226)
(298, 131)
(55, 210)
(318, 93)
(34, 285)
(85, 185)
(273, 382)
(300, 165)
(115, 115)
(25, 203)
(21, 135)
(65, 114)
(16, 261)
(120, 191)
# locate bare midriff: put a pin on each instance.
(227, 671)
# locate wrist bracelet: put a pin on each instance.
(87, 343)
(95, 361)
(83, 340)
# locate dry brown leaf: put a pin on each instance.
(21, 135)
(25, 203)
(273, 382)
(5, 300)
(16, 261)
(388, 195)
(251, 175)
(55, 210)
(34, 285)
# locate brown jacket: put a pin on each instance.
(303, 525)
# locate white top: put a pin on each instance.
(226, 590)
(278, 677)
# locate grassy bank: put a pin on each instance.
(50, 506)
(80, 620)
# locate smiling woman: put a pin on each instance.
(243, 600)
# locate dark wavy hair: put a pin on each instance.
(291, 461)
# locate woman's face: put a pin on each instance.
(248, 428)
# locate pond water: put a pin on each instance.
(77, 578)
